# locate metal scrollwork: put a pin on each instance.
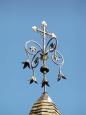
(35, 60)
(57, 58)
(32, 47)
(37, 53)
(51, 45)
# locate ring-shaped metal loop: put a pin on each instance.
(59, 60)
(28, 49)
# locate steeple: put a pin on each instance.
(44, 106)
(37, 53)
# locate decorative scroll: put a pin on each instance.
(32, 47)
(51, 45)
(35, 60)
(57, 58)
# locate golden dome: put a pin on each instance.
(44, 106)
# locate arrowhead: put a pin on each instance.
(33, 80)
(64, 77)
(36, 82)
(59, 78)
(61, 75)
(26, 64)
(45, 82)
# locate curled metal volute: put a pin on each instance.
(58, 59)
(32, 47)
(51, 45)
(35, 60)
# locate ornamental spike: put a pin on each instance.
(33, 78)
(60, 75)
(26, 64)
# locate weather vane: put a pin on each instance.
(37, 53)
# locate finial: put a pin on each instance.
(40, 53)
(44, 23)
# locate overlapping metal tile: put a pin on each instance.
(44, 106)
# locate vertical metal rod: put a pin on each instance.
(44, 43)
(44, 38)
(44, 85)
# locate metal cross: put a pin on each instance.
(43, 33)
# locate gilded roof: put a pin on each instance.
(44, 106)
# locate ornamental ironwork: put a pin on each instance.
(37, 53)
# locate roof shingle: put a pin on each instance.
(44, 106)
